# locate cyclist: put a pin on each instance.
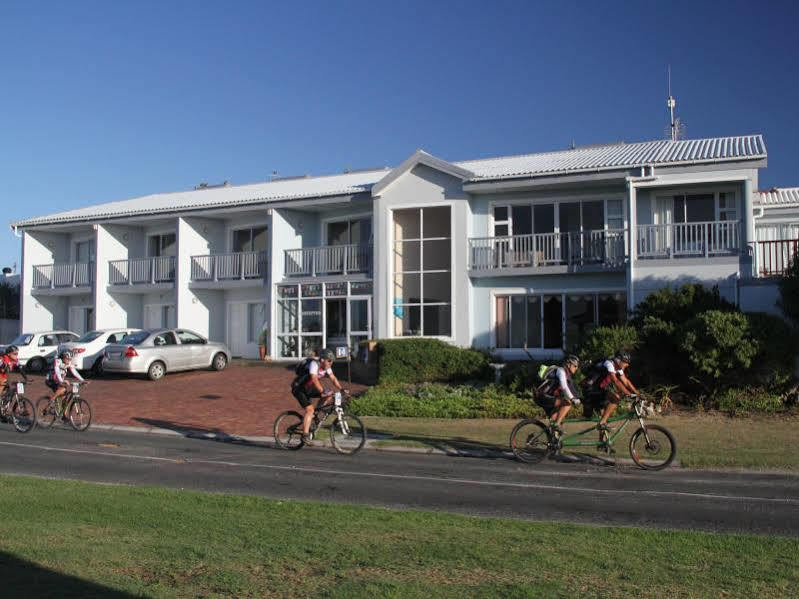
(614, 384)
(57, 377)
(9, 362)
(561, 387)
(307, 386)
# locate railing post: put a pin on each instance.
(242, 258)
(706, 234)
(344, 265)
(313, 262)
(152, 270)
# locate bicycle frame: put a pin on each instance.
(573, 439)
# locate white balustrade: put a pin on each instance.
(222, 267)
(65, 275)
(688, 239)
(599, 247)
(142, 271)
(328, 260)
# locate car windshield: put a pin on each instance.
(89, 337)
(24, 339)
(135, 338)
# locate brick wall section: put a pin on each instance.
(240, 400)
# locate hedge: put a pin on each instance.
(428, 360)
(437, 400)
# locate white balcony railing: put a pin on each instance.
(688, 239)
(142, 271)
(605, 248)
(228, 267)
(329, 260)
(52, 276)
(773, 258)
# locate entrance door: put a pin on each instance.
(336, 322)
(159, 316)
(237, 329)
(360, 325)
(81, 319)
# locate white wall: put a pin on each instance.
(717, 271)
(191, 312)
(420, 187)
(36, 314)
(760, 296)
(112, 310)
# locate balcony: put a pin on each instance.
(688, 240)
(142, 271)
(61, 279)
(548, 253)
(774, 258)
(329, 260)
(239, 268)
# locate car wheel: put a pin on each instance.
(97, 367)
(219, 362)
(156, 371)
(36, 365)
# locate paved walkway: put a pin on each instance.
(244, 399)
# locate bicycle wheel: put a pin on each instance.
(288, 430)
(79, 413)
(348, 434)
(530, 441)
(23, 415)
(45, 412)
(652, 447)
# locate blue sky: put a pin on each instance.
(103, 101)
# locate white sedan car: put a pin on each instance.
(35, 349)
(89, 350)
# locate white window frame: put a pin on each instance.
(346, 218)
(666, 193)
(390, 269)
(232, 235)
(540, 293)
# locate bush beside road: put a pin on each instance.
(163, 543)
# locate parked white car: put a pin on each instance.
(35, 349)
(88, 351)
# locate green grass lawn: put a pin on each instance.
(69, 539)
(703, 440)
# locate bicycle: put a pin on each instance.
(652, 447)
(17, 408)
(70, 407)
(347, 432)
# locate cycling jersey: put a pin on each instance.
(59, 374)
(314, 369)
(7, 364)
(609, 367)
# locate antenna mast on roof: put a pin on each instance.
(677, 127)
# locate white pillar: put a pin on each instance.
(747, 230)
(632, 242)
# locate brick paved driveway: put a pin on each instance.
(242, 399)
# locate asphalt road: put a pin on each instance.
(729, 501)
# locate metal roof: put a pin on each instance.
(233, 195)
(590, 159)
(776, 197)
(619, 156)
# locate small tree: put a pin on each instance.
(9, 301)
(789, 291)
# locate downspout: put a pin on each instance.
(632, 223)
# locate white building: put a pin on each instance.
(493, 253)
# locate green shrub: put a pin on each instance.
(720, 347)
(603, 342)
(427, 360)
(778, 344)
(789, 291)
(680, 304)
(436, 400)
(749, 400)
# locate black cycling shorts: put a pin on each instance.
(305, 396)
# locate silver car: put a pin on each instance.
(158, 351)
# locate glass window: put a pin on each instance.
(165, 339)
(422, 272)
(518, 330)
(543, 218)
(287, 320)
(502, 321)
(615, 215)
(533, 321)
(359, 315)
(311, 320)
(287, 346)
(335, 289)
(189, 338)
(162, 245)
(593, 216)
(336, 318)
(312, 290)
(84, 252)
(612, 309)
(249, 240)
(522, 219)
(579, 318)
(287, 291)
(256, 319)
(553, 322)
(361, 288)
(338, 233)
(48, 340)
(727, 206)
(135, 338)
(90, 336)
(23, 339)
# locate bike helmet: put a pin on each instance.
(327, 354)
(571, 360)
(11, 349)
(623, 356)
(64, 354)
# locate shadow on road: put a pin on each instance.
(197, 432)
(21, 578)
(451, 445)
